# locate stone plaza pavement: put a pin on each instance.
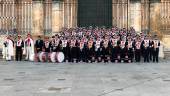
(97, 79)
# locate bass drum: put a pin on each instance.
(52, 57)
(60, 57)
(42, 56)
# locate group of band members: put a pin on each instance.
(89, 45)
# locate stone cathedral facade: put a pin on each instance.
(47, 17)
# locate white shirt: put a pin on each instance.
(19, 42)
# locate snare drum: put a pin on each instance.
(60, 57)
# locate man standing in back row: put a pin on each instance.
(39, 44)
(19, 48)
(155, 49)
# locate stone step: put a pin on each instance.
(167, 54)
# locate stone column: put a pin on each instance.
(135, 15)
(48, 17)
(74, 13)
(38, 18)
(70, 13)
(56, 16)
(155, 22)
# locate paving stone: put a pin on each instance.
(82, 79)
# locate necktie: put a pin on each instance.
(28, 41)
(19, 43)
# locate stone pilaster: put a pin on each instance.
(38, 18)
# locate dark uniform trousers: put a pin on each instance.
(118, 53)
(98, 53)
(74, 54)
(82, 55)
(155, 54)
(137, 55)
(146, 54)
(150, 53)
(18, 53)
(106, 54)
(90, 53)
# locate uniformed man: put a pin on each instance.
(47, 45)
(113, 45)
(106, 54)
(91, 50)
(138, 43)
(130, 46)
(118, 52)
(146, 43)
(73, 49)
(64, 47)
(58, 43)
(39, 43)
(150, 48)
(98, 49)
(123, 43)
(19, 48)
(155, 48)
(82, 50)
(53, 46)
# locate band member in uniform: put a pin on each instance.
(130, 49)
(82, 50)
(53, 46)
(105, 50)
(59, 49)
(8, 49)
(146, 44)
(125, 53)
(19, 48)
(150, 48)
(155, 48)
(98, 49)
(39, 44)
(64, 47)
(138, 49)
(73, 50)
(58, 43)
(68, 49)
(118, 52)
(29, 48)
(114, 44)
(47, 45)
(91, 50)
(123, 43)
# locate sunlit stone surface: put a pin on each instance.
(97, 79)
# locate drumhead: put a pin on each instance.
(60, 57)
(41, 56)
(53, 57)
